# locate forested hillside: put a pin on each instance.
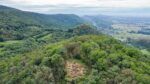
(102, 60)
(13, 47)
(64, 49)
(17, 24)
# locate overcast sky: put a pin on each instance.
(81, 7)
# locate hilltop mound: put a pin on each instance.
(106, 61)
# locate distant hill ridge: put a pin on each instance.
(14, 22)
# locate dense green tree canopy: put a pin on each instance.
(107, 61)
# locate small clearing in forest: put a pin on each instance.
(74, 69)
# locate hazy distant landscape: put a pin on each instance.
(74, 42)
(132, 30)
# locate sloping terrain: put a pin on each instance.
(13, 47)
(17, 24)
(59, 49)
(108, 62)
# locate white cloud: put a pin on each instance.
(92, 3)
(71, 6)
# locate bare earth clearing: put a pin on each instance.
(74, 69)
